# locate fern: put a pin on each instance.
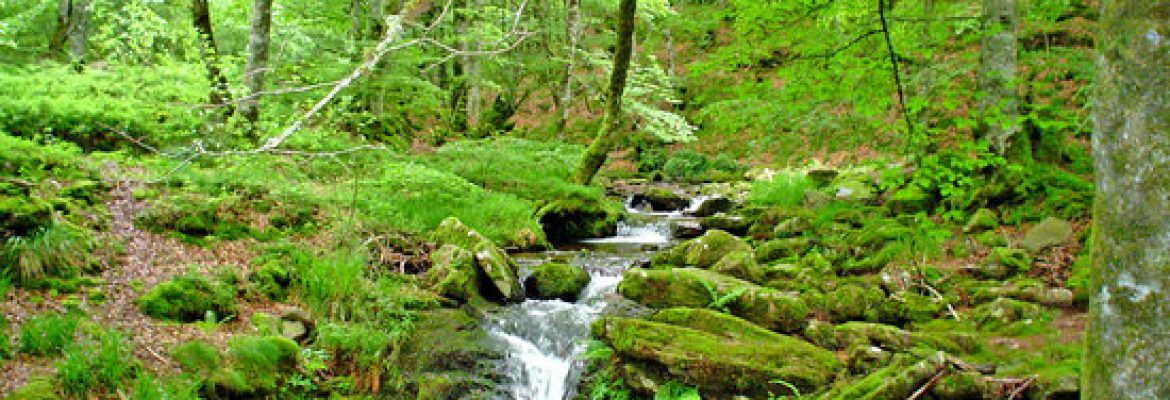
(721, 302)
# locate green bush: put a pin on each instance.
(57, 250)
(271, 280)
(782, 190)
(98, 365)
(332, 284)
(197, 357)
(188, 298)
(686, 164)
(47, 334)
(356, 346)
(261, 361)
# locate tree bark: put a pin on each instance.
(474, 103)
(1129, 313)
(595, 155)
(572, 36)
(201, 19)
(997, 74)
(78, 33)
(257, 65)
(61, 31)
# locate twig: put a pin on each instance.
(156, 356)
(896, 68)
(1023, 386)
(929, 384)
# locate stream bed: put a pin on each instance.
(543, 339)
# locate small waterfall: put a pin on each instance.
(544, 338)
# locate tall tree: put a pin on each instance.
(572, 36)
(256, 68)
(61, 31)
(1000, 105)
(72, 29)
(1129, 315)
(595, 155)
(201, 19)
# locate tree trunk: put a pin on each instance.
(201, 18)
(254, 71)
(595, 155)
(61, 31)
(355, 20)
(997, 74)
(474, 104)
(572, 36)
(78, 33)
(1129, 313)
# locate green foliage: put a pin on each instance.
(47, 334)
(722, 302)
(90, 109)
(686, 164)
(5, 339)
(357, 346)
(100, 364)
(57, 250)
(786, 189)
(147, 387)
(197, 357)
(189, 298)
(528, 169)
(676, 391)
(607, 386)
(331, 284)
(264, 355)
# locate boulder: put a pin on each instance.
(492, 266)
(741, 264)
(1003, 262)
(453, 274)
(661, 199)
(568, 220)
(853, 190)
(703, 251)
(733, 224)
(500, 270)
(556, 281)
(1004, 311)
(697, 288)
(453, 232)
(1048, 233)
(779, 249)
(722, 355)
(714, 205)
(854, 303)
(687, 229)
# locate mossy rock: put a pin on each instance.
(734, 224)
(188, 298)
(854, 303)
(790, 228)
(964, 385)
(1004, 262)
(863, 357)
(855, 191)
(37, 388)
(982, 220)
(1004, 311)
(731, 357)
(497, 272)
(661, 199)
(271, 280)
(197, 357)
(697, 288)
(708, 249)
(1048, 233)
(910, 200)
(741, 264)
(453, 274)
(714, 205)
(452, 231)
(873, 334)
(556, 281)
(822, 334)
(783, 249)
(568, 220)
(500, 270)
(450, 343)
(906, 307)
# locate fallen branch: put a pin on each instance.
(938, 375)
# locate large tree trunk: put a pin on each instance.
(997, 75)
(258, 43)
(1129, 314)
(201, 19)
(474, 104)
(61, 31)
(572, 36)
(595, 155)
(78, 33)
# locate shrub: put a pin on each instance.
(47, 335)
(686, 164)
(782, 190)
(99, 364)
(271, 280)
(188, 298)
(197, 357)
(356, 346)
(334, 284)
(57, 250)
(528, 169)
(261, 360)
(5, 341)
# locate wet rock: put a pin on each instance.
(688, 229)
(661, 199)
(779, 249)
(500, 270)
(449, 343)
(1048, 233)
(733, 224)
(556, 281)
(722, 355)
(453, 274)
(696, 288)
(822, 176)
(714, 205)
(982, 220)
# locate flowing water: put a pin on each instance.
(543, 339)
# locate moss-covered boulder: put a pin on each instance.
(781, 249)
(906, 307)
(703, 251)
(451, 346)
(982, 220)
(854, 190)
(568, 220)
(556, 281)
(453, 274)
(1048, 233)
(852, 302)
(910, 200)
(661, 199)
(734, 224)
(1004, 311)
(188, 298)
(500, 270)
(722, 355)
(453, 232)
(697, 288)
(714, 205)
(741, 264)
(1004, 262)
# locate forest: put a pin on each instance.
(584, 199)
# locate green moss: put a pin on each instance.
(453, 274)
(188, 298)
(905, 307)
(741, 264)
(271, 280)
(556, 281)
(910, 200)
(37, 388)
(500, 270)
(854, 302)
(983, 220)
(696, 288)
(197, 357)
(783, 249)
(733, 358)
(569, 219)
(449, 342)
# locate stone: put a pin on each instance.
(500, 270)
(661, 199)
(1048, 233)
(1004, 262)
(453, 274)
(741, 264)
(556, 281)
(703, 251)
(568, 220)
(821, 176)
(722, 355)
(853, 190)
(854, 303)
(733, 224)
(1004, 311)
(697, 288)
(781, 249)
(296, 324)
(687, 229)
(982, 220)
(714, 205)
